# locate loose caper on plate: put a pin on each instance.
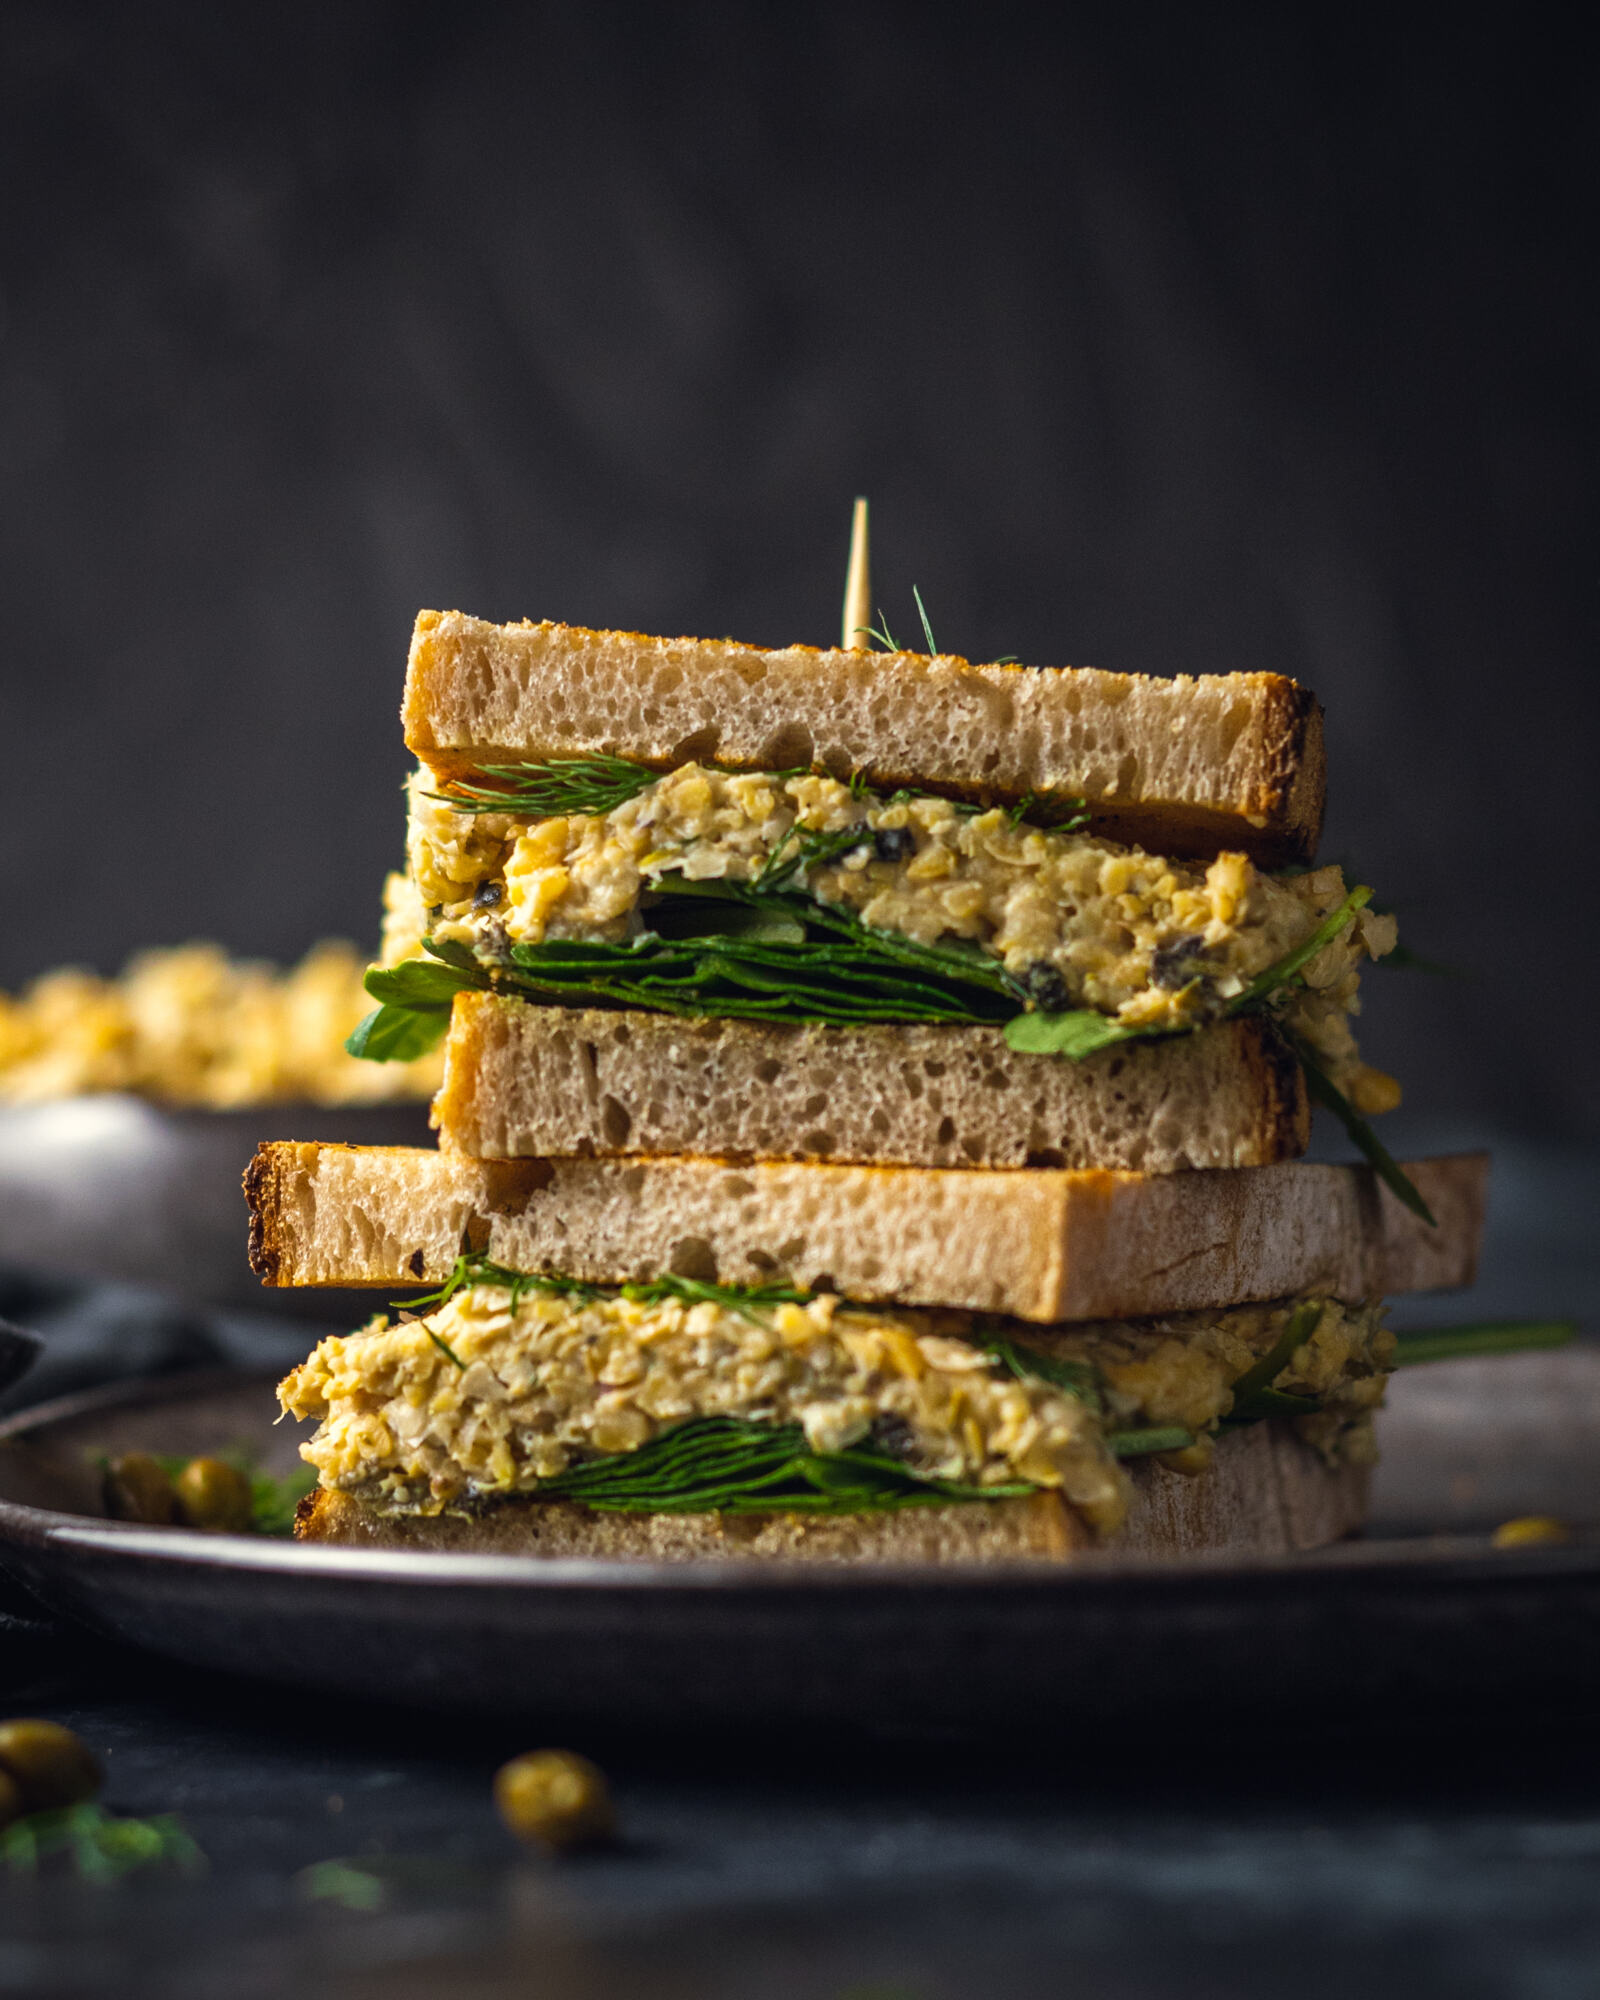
(556, 1800)
(43, 1765)
(205, 1493)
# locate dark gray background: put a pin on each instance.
(1162, 340)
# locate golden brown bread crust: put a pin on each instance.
(1044, 1246)
(1265, 1494)
(1182, 766)
(523, 1081)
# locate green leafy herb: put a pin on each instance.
(1253, 1394)
(473, 1268)
(730, 1466)
(1286, 967)
(799, 851)
(880, 635)
(559, 788)
(1326, 1092)
(927, 629)
(414, 1011)
(274, 1498)
(1498, 1336)
(747, 954)
(100, 1847)
(1074, 1378)
(343, 1882)
(445, 1348)
(1140, 1444)
(1077, 1034)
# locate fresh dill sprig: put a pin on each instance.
(559, 788)
(927, 629)
(799, 851)
(473, 1267)
(883, 640)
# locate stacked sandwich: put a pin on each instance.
(874, 1087)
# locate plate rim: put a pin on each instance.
(45, 1531)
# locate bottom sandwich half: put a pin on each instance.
(674, 1419)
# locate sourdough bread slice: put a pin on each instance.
(1043, 1246)
(1181, 766)
(522, 1080)
(1265, 1494)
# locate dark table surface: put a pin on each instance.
(1354, 1849)
(1448, 1853)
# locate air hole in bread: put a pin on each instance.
(816, 1104)
(946, 1131)
(616, 1121)
(769, 1069)
(735, 1187)
(817, 1142)
(698, 747)
(692, 1257)
(788, 746)
(1234, 721)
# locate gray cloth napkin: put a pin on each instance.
(90, 1333)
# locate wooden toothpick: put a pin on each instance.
(858, 586)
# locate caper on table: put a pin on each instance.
(214, 1495)
(555, 1799)
(138, 1489)
(48, 1764)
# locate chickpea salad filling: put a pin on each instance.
(678, 1396)
(1059, 920)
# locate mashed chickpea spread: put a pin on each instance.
(492, 1393)
(1077, 921)
(192, 1026)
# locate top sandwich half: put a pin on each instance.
(845, 839)
(1186, 767)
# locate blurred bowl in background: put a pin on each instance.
(119, 1187)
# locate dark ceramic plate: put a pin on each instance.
(1421, 1608)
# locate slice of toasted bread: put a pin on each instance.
(1265, 1493)
(1043, 1246)
(522, 1080)
(1183, 766)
